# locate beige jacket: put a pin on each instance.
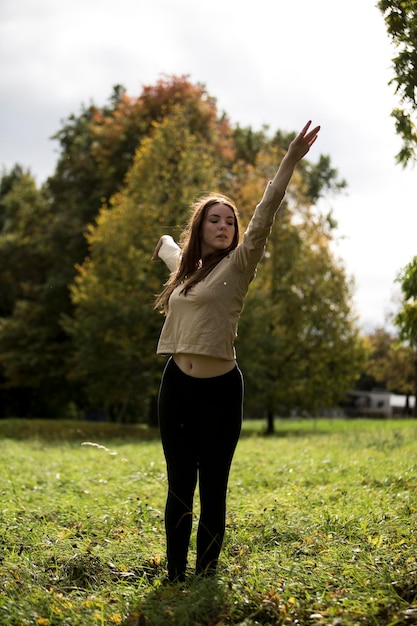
(205, 321)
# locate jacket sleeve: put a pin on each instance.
(169, 253)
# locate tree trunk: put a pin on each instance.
(153, 412)
(415, 389)
(270, 428)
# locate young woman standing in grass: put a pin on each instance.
(201, 392)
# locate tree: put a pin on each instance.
(388, 365)
(97, 148)
(20, 209)
(401, 22)
(389, 362)
(76, 287)
(114, 326)
(298, 342)
(25, 259)
(406, 319)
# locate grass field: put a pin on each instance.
(321, 527)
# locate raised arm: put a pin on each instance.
(249, 253)
(298, 148)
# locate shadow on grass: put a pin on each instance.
(200, 601)
(50, 430)
(288, 428)
(73, 430)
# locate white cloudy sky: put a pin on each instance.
(266, 62)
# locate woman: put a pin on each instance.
(201, 392)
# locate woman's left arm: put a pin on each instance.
(249, 253)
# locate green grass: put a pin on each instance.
(321, 527)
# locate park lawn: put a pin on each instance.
(321, 527)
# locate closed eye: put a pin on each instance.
(215, 220)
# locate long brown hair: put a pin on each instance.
(192, 267)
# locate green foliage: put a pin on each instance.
(322, 178)
(30, 334)
(406, 319)
(114, 326)
(321, 528)
(97, 149)
(23, 254)
(249, 142)
(7, 181)
(390, 363)
(298, 341)
(401, 22)
(77, 326)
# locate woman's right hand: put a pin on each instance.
(155, 256)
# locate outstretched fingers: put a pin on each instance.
(305, 129)
(311, 136)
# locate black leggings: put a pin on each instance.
(200, 421)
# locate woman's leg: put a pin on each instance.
(179, 441)
(219, 430)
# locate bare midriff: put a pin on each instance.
(201, 366)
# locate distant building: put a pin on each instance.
(377, 403)
(399, 404)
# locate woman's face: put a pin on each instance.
(218, 229)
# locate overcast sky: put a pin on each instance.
(266, 62)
